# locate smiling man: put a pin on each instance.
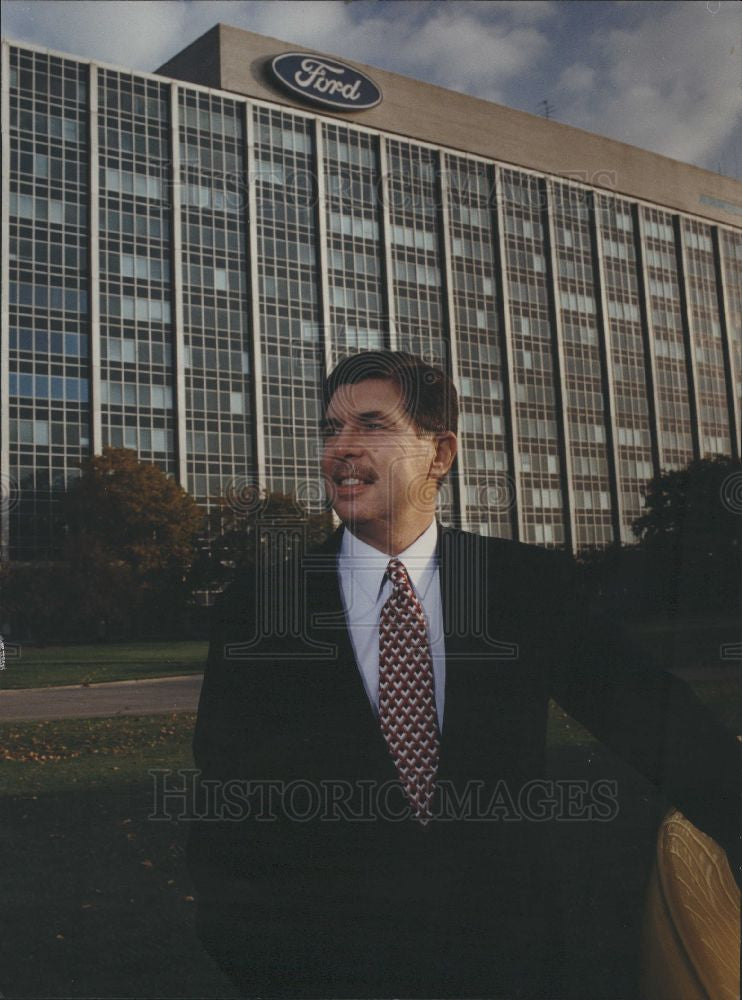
(375, 752)
(383, 466)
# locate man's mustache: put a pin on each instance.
(351, 470)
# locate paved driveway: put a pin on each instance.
(152, 696)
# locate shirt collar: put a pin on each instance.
(369, 564)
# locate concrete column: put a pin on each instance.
(506, 352)
(688, 336)
(176, 186)
(253, 292)
(96, 430)
(731, 376)
(606, 371)
(322, 256)
(449, 324)
(558, 358)
(645, 312)
(383, 191)
(7, 488)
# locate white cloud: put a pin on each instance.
(319, 25)
(577, 79)
(671, 83)
(125, 33)
(666, 78)
(525, 12)
(470, 54)
(472, 47)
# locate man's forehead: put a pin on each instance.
(379, 396)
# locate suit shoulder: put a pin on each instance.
(508, 548)
(544, 577)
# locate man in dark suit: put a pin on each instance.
(372, 731)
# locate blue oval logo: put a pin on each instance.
(325, 82)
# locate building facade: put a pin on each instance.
(186, 253)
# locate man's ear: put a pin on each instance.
(445, 452)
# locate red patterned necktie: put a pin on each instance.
(407, 692)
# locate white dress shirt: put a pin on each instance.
(361, 569)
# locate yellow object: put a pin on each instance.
(691, 939)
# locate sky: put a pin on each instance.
(665, 76)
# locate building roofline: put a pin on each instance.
(529, 117)
(445, 118)
(533, 120)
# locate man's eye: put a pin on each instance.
(329, 430)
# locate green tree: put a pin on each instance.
(130, 544)
(245, 530)
(691, 531)
(701, 504)
(34, 600)
(688, 551)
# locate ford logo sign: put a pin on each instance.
(325, 82)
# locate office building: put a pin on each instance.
(186, 252)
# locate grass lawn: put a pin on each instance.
(100, 899)
(101, 904)
(47, 666)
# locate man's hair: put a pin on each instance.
(429, 396)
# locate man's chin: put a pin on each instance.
(350, 514)
(352, 503)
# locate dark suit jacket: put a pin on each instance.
(315, 902)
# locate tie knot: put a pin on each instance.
(398, 574)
